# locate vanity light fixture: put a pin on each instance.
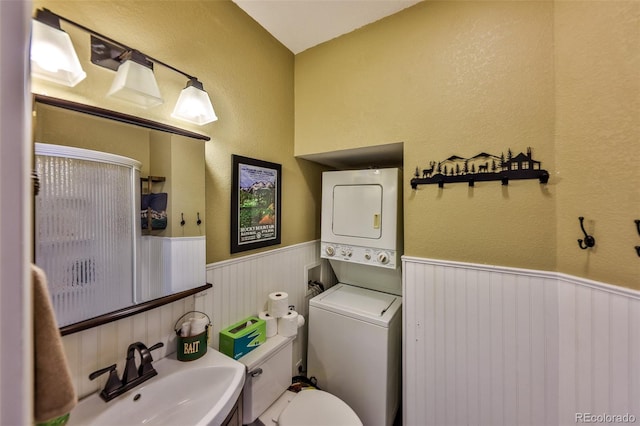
(135, 82)
(53, 57)
(194, 104)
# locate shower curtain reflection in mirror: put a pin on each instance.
(87, 230)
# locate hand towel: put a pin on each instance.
(54, 393)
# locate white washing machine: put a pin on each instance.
(355, 349)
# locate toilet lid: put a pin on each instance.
(317, 408)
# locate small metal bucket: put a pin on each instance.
(192, 347)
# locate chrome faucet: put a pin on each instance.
(133, 375)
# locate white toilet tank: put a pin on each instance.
(268, 375)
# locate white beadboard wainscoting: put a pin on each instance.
(171, 264)
(241, 287)
(491, 345)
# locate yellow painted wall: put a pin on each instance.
(248, 75)
(63, 127)
(446, 78)
(466, 77)
(597, 51)
(188, 172)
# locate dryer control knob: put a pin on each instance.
(330, 250)
(367, 256)
(383, 258)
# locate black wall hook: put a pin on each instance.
(589, 241)
(182, 222)
(637, 222)
(198, 222)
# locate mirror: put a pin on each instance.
(169, 248)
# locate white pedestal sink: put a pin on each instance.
(199, 392)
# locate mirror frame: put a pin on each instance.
(130, 311)
(117, 116)
(137, 121)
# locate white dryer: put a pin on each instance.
(361, 229)
(355, 349)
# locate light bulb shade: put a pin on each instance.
(194, 105)
(53, 57)
(136, 84)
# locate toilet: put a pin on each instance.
(266, 400)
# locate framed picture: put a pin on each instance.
(255, 203)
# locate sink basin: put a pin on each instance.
(199, 392)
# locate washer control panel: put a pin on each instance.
(356, 254)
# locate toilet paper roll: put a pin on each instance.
(271, 323)
(198, 325)
(185, 329)
(288, 324)
(278, 304)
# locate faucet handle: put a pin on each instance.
(113, 382)
(100, 372)
(156, 346)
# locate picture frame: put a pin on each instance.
(256, 203)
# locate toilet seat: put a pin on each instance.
(317, 408)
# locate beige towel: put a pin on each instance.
(53, 389)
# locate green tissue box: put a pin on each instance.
(243, 337)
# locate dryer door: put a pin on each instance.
(357, 211)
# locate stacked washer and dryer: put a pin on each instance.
(355, 327)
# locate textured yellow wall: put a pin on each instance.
(446, 78)
(247, 73)
(597, 50)
(63, 127)
(464, 77)
(188, 172)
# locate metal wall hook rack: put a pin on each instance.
(482, 167)
(588, 241)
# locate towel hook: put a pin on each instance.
(182, 222)
(198, 222)
(589, 241)
(637, 222)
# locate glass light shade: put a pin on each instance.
(53, 57)
(135, 83)
(194, 105)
